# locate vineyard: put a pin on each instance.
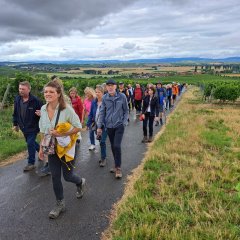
(213, 87)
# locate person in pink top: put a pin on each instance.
(90, 95)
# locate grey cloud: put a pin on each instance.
(31, 18)
(128, 45)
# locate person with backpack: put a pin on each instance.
(161, 94)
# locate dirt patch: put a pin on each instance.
(13, 159)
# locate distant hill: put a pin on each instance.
(189, 60)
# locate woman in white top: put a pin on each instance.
(54, 97)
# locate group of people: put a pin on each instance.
(105, 111)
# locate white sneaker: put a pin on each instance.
(92, 147)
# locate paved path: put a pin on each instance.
(26, 198)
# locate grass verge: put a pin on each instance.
(187, 186)
(10, 142)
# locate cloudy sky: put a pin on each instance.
(118, 29)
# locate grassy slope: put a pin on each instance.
(10, 141)
(185, 188)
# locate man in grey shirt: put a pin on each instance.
(114, 113)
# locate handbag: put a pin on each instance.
(94, 126)
(141, 117)
(49, 141)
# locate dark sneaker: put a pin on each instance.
(161, 121)
(144, 139)
(81, 188)
(102, 163)
(118, 173)
(29, 167)
(45, 171)
(59, 208)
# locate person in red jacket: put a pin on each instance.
(76, 103)
(138, 97)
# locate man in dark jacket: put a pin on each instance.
(26, 117)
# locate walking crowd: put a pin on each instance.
(104, 112)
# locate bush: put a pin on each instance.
(225, 92)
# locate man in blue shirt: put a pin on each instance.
(114, 112)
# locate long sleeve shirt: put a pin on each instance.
(114, 111)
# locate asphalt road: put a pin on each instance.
(26, 198)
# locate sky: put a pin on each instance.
(58, 30)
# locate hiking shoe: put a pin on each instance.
(150, 139)
(91, 148)
(59, 208)
(144, 139)
(45, 170)
(112, 170)
(81, 188)
(118, 173)
(29, 167)
(102, 163)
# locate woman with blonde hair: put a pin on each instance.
(58, 121)
(92, 123)
(90, 95)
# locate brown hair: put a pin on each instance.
(73, 89)
(152, 88)
(59, 88)
(25, 83)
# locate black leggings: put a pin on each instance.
(56, 165)
(148, 121)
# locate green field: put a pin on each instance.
(188, 185)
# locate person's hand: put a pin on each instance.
(143, 116)
(15, 128)
(54, 133)
(38, 113)
(40, 154)
(156, 119)
(99, 131)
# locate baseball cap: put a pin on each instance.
(111, 81)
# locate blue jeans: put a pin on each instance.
(103, 145)
(57, 166)
(92, 137)
(115, 136)
(32, 146)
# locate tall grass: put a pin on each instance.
(185, 188)
(10, 142)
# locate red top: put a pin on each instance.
(77, 106)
